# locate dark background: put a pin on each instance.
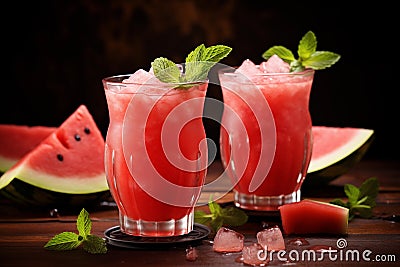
(55, 54)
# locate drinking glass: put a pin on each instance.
(156, 153)
(265, 136)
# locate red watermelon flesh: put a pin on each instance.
(314, 217)
(69, 160)
(17, 140)
(332, 144)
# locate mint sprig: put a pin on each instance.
(197, 65)
(69, 240)
(308, 56)
(361, 200)
(218, 216)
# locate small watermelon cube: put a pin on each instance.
(314, 217)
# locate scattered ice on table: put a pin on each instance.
(228, 240)
(191, 254)
(271, 239)
(254, 255)
(274, 65)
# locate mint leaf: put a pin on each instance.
(193, 68)
(83, 223)
(307, 45)
(369, 189)
(282, 52)
(215, 53)
(363, 212)
(197, 54)
(296, 66)
(361, 200)
(202, 217)
(68, 240)
(197, 65)
(166, 70)
(214, 207)
(200, 61)
(352, 193)
(216, 223)
(339, 202)
(321, 60)
(218, 217)
(233, 216)
(64, 241)
(308, 56)
(95, 245)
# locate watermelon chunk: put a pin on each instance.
(335, 151)
(17, 140)
(314, 217)
(69, 162)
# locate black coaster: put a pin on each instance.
(115, 237)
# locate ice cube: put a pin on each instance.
(136, 80)
(271, 238)
(249, 69)
(191, 254)
(228, 240)
(139, 77)
(274, 65)
(254, 255)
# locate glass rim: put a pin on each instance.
(230, 71)
(118, 80)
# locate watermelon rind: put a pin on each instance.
(24, 194)
(72, 185)
(316, 217)
(6, 164)
(42, 177)
(330, 167)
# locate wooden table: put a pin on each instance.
(23, 232)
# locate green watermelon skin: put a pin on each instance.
(329, 173)
(27, 195)
(65, 169)
(332, 172)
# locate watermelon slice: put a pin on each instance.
(335, 151)
(66, 168)
(314, 217)
(17, 140)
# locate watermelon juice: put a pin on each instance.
(266, 138)
(156, 154)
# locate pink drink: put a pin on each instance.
(266, 175)
(155, 157)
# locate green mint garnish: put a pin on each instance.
(361, 200)
(309, 57)
(197, 65)
(218, 216)
(69, 240)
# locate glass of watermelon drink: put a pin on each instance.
(156, 154)
(265, 135)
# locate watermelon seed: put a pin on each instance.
(77, 137)
(60, 157)
(87, 130)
